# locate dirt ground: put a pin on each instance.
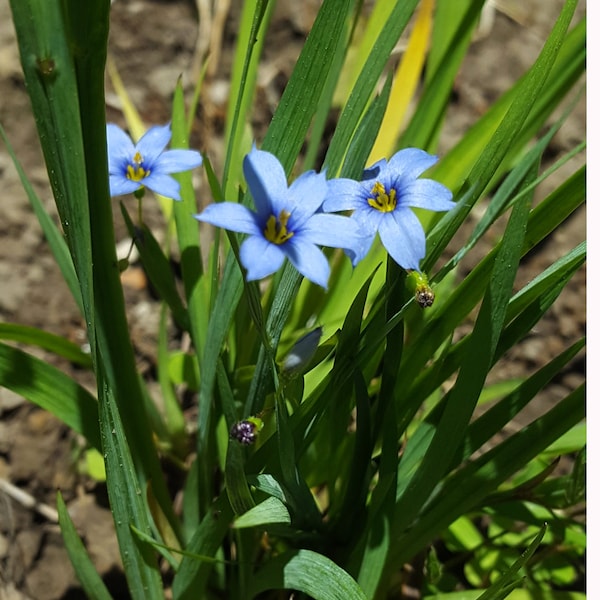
(152, 43)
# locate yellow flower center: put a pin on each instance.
(135, 171)
(382, 201)
(276, 229)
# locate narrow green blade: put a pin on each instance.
(308, 572)
(52, 390)
(84, 568)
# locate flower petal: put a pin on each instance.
(153, 142)
(402, 235)
(358, 252)
(334, 231)
(308, 260)
(120, 149)
(408, 164)
(427, 193)
(176, 161)
(373, 171)
(259, 257)
(302, 352)
(344, 194)
(306, 194)
(267, 182)
(162, 184)
(119, 185)
(231, 216)
(367, 219)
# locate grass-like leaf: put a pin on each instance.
(415, 487)
(55, 239)
(52, 86)
(385, 34)
(525, 309)
(441, 73)
(252, 33)
(469, 486)
(271, 510)
(499, 589)
(86, 30)
(569, 64)
(89, 578)
(188, 235)
(127, 506)
(308, 572)
(52, 390)
(48, 341)
(191, 579)
(481, 430)
(406, 80)
(301, 97)
(158, 268)
(542, 221)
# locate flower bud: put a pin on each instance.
(246, 431)
(418, 284)
(302, 352)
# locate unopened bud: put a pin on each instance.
(246, 431)
(302, 352)
(418, 284)
(123, 264)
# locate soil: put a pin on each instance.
(152, 43)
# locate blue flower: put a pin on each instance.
(146, 164)
(382, 204)
(286, 223)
